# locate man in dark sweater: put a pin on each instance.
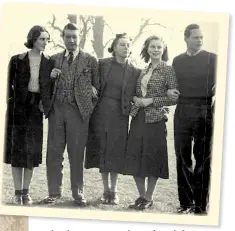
(193, 121)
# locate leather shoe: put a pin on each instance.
(106, 197)
(18, 200)
(185, 210)
(200, 211)
(51, 199)
(114, 198)
(27, 200)
(80, 200)
(145, 204)
(137, 202)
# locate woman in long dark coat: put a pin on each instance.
(146, 154)
(29, 93)
(109, 123)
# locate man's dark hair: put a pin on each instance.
(189, 28)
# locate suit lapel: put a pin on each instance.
(127, 74)
(59, 60)
(42, 63)
(81, 63)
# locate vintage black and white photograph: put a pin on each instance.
(112, 113)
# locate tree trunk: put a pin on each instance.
(98, 33)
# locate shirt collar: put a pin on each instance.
(159, 66)
(75, 53)
(196, 53)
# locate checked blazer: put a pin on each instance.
(162, 79)
(86, 76)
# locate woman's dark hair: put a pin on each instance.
(69, 26)
(189, 28)
(144, 53)
(115, 41)
(33, 35)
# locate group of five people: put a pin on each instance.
(88, 104)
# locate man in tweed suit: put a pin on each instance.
(75, 93)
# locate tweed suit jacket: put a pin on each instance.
(162, 79)
(87, 75)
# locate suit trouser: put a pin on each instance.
(65, 127)
(193, 125)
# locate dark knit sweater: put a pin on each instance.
(196, 75)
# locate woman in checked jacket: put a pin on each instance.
(146, 152)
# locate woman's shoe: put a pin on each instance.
(18, 200)
(145, 205)
(137, 203)
(114, 198)
(27, 200)
(106, 197)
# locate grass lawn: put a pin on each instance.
(165, 196)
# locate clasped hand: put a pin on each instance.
(173, 94)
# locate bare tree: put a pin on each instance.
(98, 32)
(146, 23)
(96, 24)
(85, 28)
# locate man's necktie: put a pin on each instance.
(70, 59)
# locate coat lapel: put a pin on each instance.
(24, 68)
(42, 64)
(106, 70)
(127, 74)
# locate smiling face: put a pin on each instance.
(122, 48)
(195, 40)
(155, 49)
(41, 42)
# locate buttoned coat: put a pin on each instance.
(17, 92)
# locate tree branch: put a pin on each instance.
(156, 24)
(52, 24)
(106, 24)
(144, 25)
(141, 30)
(107, 43)
(82, 19)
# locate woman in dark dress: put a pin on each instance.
(29, 92)
(146, 154)
(108, 128)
